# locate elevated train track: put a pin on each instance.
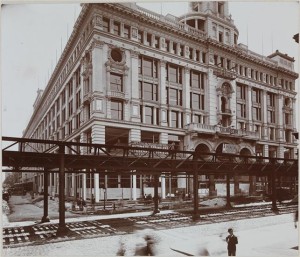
(47, 156)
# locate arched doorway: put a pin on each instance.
(201, 151)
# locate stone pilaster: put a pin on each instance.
(249, 108)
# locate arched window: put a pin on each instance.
(223, 104)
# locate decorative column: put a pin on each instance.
(84, 186)
(133, 189)
(186, 97)
(279, 120)
(98, 137)
(162, 83)
(294, 106)
(264, 115)
(163, 187)
(134, 86)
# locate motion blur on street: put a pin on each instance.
(169, 233)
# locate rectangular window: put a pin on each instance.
(271, 99)
(116, 110)
(156, 42)
(57, 105)
(174, 73)
(89, 140)
(203, 57)
(148, 67)
(116, 82)
(215, 60)
(256, 95)
(197, 79)
(70, 127)
(77, 77)
(63, 97)
(271, 116)
(149, 39)
(241, 70)
(220, 8)
(140, 36)
(220, 37)
(228, 64)
(149, 92)
(117, 28)
(63, 115)
(197, 118)
(126, 31)
(174, 119)
(78, 121)
(174, 47)
(196, 101)
(271, 133)
(105, 24)
(78, 100)
(167, 45)
(58, 121)
(222, 61)
(256, 113)
(148, 115)
(70, 108)
(241, 91)
(174, 96)
(241, 110)
(181, 49)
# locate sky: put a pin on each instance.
(33, 35)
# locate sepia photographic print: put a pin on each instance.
(150, 128)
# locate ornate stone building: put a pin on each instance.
(131, 76)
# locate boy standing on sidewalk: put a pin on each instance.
(232, 241)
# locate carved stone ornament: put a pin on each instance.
(116, 55)
(225, 89)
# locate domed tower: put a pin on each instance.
(213, 18)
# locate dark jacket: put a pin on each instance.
(232, 241)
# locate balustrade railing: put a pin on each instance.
(174, 23)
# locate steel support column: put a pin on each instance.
(195, 191)
(274, 193)
(62, 229)
(228, 205)
(45, 218)
(156, 199)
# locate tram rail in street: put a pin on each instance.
(46, 233)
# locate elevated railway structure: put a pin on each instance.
(48, 156)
